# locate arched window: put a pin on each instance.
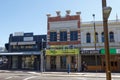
(88, 38)
(96, 35)
(111, 36)
(102, 36)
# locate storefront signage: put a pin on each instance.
(61, 51)
(89, 52)
(28, 38)
(112, 51)
(118, 51)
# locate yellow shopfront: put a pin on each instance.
(58, 59)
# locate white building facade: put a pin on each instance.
(113, 31)
(94, 39)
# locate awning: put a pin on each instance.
(21, 53)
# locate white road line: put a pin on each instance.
(29, 77)
(9, 77)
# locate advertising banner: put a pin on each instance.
(61, 51)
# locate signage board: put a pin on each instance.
(62, 51)
(118, 51)
(112, 51)
(89, 52)
(28, 38)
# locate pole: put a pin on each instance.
(95, 40)
(41, 57)
(106, 43)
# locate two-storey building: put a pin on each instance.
(63, 41)
(24, 51)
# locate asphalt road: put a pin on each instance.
(28, 75)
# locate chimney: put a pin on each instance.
(48, 15)
(68, 12)
(58, 13)
(78, 13)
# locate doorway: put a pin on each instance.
(53, 62)
(63, 62)
(14, 62)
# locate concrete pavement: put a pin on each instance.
(76, 74)
(65, 74)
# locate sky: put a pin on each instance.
(30, 15)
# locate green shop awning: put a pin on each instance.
(61, 51)
(111, 50)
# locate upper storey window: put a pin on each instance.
(73, 35)
(111, 36)
(102, 36)
(96, 35)
(63, 36)
(88, 38)
(53, 36)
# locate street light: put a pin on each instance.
(106, 12)
(41, 56)
(95, 39)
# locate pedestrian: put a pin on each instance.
(84, 66)
(75, 67)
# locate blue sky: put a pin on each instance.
(30, 15)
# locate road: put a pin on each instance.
(30, 75)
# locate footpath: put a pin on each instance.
(76, 74)
(64, 74)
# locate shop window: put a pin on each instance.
(104, 63)
(14, 46)
(72, 59)
(112, 63)
(21, 47)
(27, 62)
(116, 64)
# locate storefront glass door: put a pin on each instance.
(63, 62)
(14, 62)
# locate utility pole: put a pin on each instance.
(106, 43)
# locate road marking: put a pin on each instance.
(29, 77)
(9, 77)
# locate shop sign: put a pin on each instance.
(89, 52)
(112, 51)
(61, 51)
(118, 51)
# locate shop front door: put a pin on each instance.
(63, 62)
(14, 62)
(53, 62)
